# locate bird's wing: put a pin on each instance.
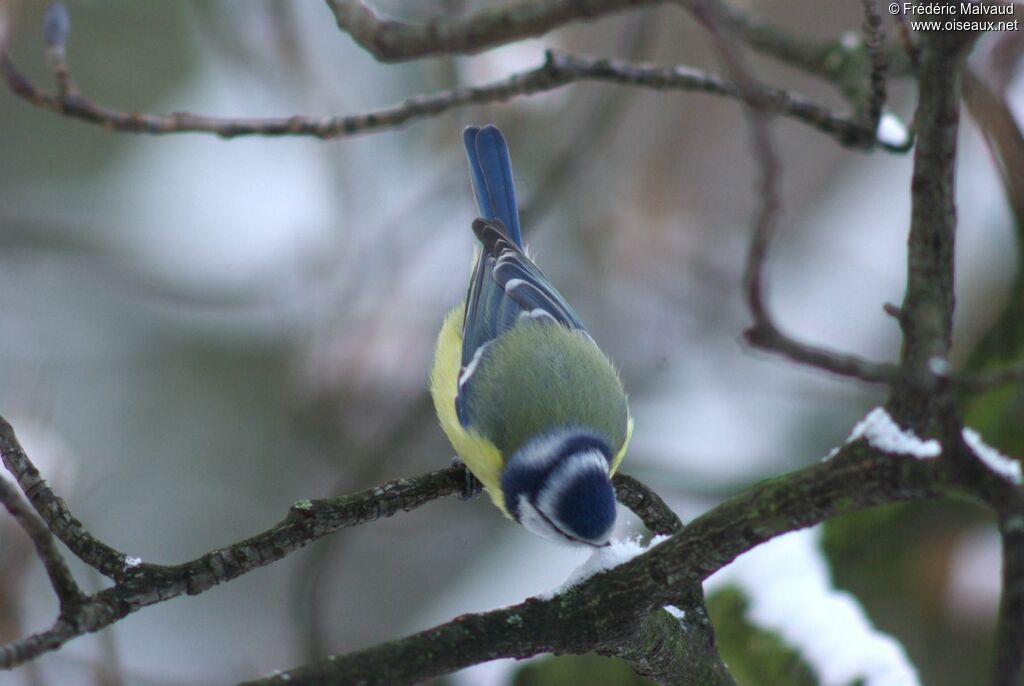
(506, 287)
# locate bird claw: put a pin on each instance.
(472, 488)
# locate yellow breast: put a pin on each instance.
(479, 454)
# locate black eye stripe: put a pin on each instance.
(554, 527)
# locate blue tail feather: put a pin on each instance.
(491, 169)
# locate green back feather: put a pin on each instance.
(539, 376)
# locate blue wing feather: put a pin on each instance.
(519, 279)
(491, 169)
(506, 287)
(506, 284)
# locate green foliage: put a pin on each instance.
(755, 657)
(865, 538)
(896, 561)
(997, 413)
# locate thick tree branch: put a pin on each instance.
(607, 606)
(665, 648)
(1009, 652)
(842, 62)
(675, 651)
(926, 315)
(926, 318)
(395, 41)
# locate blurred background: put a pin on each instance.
(195, 333)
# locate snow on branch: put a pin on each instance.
(1005, 467)
(602, 559)
(881, 432)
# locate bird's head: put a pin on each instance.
(557, 486)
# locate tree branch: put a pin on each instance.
(874, 42)
(646, 504)
(54, 511)
(977, 382)
(764, 333)
(607, 606)
(559, 69)
(139, 584)
(64, 585)
(1009, 652)
(675, 651)
(926, 315)
(416, 107)
(395, 41)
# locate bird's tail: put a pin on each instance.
(491, 169)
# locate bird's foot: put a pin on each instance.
(472, 487)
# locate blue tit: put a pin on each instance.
(530, 403)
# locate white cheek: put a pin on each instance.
(534, 523)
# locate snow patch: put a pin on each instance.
(1005, 467)
(789, 590)
(892, 131)
(886, 435)
(604, 558)
(831, 453)
(676, 612)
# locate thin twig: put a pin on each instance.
(906, 41)
(416, 107)
(984, 381)
(646, 504)
(764, 333)
(141, 584)
(54, 511)
(874, 42)
(773, 100)
(306, 522)
(559, 69)
(56, 26)
(31, 647)
(64, 585)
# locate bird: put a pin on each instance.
(533, 407)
